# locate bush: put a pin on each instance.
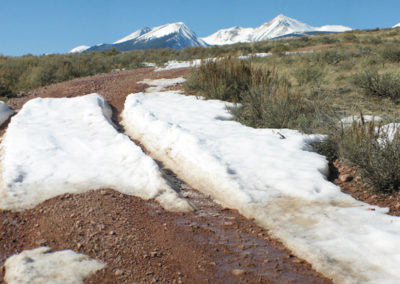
(224, 79)
(272, 104)
(374, 84)
(377, 157)
(391, 53)
(308, 75)
(328, 147)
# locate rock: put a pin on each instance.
(345, 178)
(118, 272)
(237, 272)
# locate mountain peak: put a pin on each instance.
(173, 35)
(134, 35)
(280, 17)
(279, 26)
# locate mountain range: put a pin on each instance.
(396, 26)
(178, 35)
(280, 26)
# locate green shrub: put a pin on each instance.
(328, 147)
(272, 104)
(377, 157)
(391, 53)
(223, 79)
(308, 75)
(374, 84)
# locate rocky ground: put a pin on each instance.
(137, 239)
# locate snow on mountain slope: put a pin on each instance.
(230, 36)
(79, 49)
(134, 35)
(279, 26)
(175, 36)
(334, 28)
(178, 29)
(397, 25)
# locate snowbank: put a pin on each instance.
(5, 112)
(178, 64)
(69, 145)
(41, 266)
(272, 176)
(160, 84)
(349, 120)
(197, 62)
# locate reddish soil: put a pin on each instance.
(137, 239)
(351, 183)
(114, 87)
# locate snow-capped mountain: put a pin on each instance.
(175, 36)
(178, 35)
(134, 35)
(230, 36)
(278, 27)
(78, 49)
(396, 26)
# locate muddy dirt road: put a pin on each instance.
(137, 239)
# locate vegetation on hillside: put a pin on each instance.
(350, 74)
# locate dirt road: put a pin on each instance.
(138, 240)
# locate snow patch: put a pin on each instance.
(387, 132)
(79, 49)
(349, 120)
(270, 175)
(5, 112)
(41, 266)
(69, 145)
(159, 85)
(197, 62)
(179, 64)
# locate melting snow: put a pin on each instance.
(160, 84)
(272, 176)
(69, 145)
(349, 120)
(5, 112)
(41, 266)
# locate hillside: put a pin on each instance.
(264, 160)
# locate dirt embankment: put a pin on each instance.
(137, 239)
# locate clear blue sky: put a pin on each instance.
(56, 26)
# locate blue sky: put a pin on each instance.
(56, 26)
